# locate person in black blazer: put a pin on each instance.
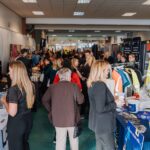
(102, 106)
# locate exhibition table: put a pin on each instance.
(121, 130)
(3, 133)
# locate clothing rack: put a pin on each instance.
(123, 64)
(119, 67)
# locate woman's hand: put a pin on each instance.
(83, 78)
(119, 103)
(3, 100)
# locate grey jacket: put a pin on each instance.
(102, 109)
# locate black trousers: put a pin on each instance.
(19, 129)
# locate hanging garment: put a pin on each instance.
(136, 83)
(129, 80)
(124, 78)
(147, 81)
(118, 81)
(128, 90)
(111, 85)
(139, 75)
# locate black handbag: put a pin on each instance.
(77, 130)
(78, 127)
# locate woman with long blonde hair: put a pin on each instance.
(99, 72)
(102, 106)
(19, 102)
(90, 60)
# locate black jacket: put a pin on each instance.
(27, 62)
(102, 109)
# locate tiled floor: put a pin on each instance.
(42, 134)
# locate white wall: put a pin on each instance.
(117, 39)
(144, 35)
(9, 20)
(8, 37)
(10, 33)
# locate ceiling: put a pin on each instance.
(86, 33)
(103, 15)
(94, 31)
(111, 9)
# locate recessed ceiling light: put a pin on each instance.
(146, 2)
(129, 14)
(70, 35)
(54, 35)
(38, 12)
(78, 13)
(71, 30)
(84, 1)
(97, 31)
(29, 1)
(50, 30)
(118, 31)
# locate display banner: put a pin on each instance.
(133, 139)
(127, 46)
(136, 47)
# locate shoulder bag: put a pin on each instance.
(78, 128)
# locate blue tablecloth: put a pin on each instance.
(1, 142)
(121, 127)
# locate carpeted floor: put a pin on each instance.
(42, 134)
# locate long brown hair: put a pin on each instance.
(21, 79)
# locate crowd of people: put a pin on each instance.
(67, 82)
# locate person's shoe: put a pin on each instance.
(82, 117)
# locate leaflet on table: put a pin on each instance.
(1, 95)
(3, 118)
(133, 139)
(144, 115)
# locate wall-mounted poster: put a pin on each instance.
(14, 51)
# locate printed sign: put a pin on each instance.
(133, 139)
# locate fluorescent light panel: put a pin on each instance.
(128, 14)
(50, 30)
(118, 31)
(29, 1)
(78, 13)
(38, 12)
(146, 2)
(97, 31)
(84, 1)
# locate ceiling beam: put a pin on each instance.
(92, 27)
(81, 21)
